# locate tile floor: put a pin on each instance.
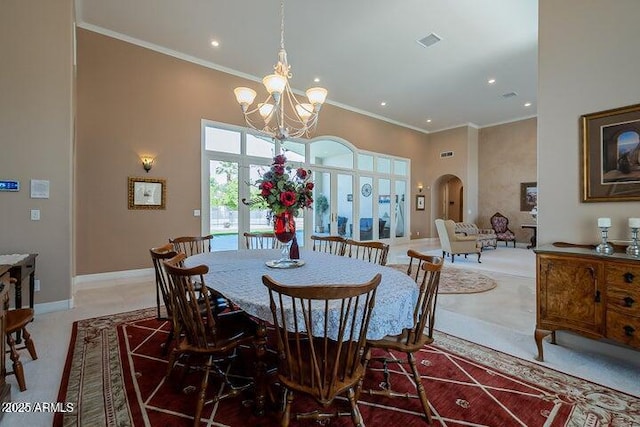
(503, 318)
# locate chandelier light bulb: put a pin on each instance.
(245, 96)
(265, 110)
(274, 83)
(317, 95)
(304, 111)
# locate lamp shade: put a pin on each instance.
(265, 110)
(317, 95)
(275, 83)
(304, 111)
(244, 95)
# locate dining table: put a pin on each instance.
(237, 275)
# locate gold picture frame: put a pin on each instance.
(610, 155)
(147, 193)
(528, 195)
(420, 202)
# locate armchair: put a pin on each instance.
(455, 244)
(500, 224)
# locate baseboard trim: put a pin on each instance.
(49, 307)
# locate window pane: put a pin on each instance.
(400, 167)
(401, 208)
(260, 146)
(384, 208)
(294, 152)
(258, 219)
(223, 209)
(216, 139)
(331, 153)
(365, 162)
(384, 165)
(366, 208)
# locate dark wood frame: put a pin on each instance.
(133, 186)
(420, 202)
(524, 204)
(605, 174)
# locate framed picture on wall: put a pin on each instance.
(147, 193)
(611, 155)
(420, 202)
(528, 195)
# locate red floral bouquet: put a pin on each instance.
(283, 190)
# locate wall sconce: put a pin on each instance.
(420, 187)
(147, 163)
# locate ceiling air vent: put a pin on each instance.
(430, 40)
(509, 94)
(445, 154)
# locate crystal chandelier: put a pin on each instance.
(282, 114)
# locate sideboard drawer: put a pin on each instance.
(623, 274)
(624, 300)
(623, 328)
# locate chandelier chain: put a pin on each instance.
(282, 24)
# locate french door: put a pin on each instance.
(334, 205)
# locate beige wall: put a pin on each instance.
(588, 61)
(36, 114)
(507, 157)
(134, 101)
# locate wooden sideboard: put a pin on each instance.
(5, 388)
(578, 290)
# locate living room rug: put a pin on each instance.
(114, 374)
(458, 281)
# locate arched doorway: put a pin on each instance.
(447, 198)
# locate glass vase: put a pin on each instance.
(284, 227)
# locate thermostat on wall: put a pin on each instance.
(9, 185)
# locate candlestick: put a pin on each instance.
(633, 249)
(604, 222)
(634, 222)
(604, 248)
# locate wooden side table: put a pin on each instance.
(534, 235)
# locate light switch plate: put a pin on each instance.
(35, 214)
(196, 212)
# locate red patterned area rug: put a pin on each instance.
(115, 369)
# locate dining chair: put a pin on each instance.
(192, 245)
(203, 336)
(328, 361)
(17, 320)
(329, 244)
(372, 251)
(158, 255)
(262, 240)
(425, 271)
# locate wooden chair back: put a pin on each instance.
(193, 314)
(425, 271)
(158, 255)
(192, 245)
(375, 252)
(328, 363)
(329, 244)
(262, 240)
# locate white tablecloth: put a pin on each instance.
(238, 276)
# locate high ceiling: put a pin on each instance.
(363, 51)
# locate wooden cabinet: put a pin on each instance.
(593, 295)
(5, 388)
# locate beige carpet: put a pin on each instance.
(458, 281)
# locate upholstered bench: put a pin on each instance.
(485, 237)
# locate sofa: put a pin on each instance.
(485, 237)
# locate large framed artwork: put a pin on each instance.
(147, 193)
(610, 155)
(528, 195)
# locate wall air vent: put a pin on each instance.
(430, 40)
(446, 154)
(509, 94)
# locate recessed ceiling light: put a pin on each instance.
(215, 43)
(527, 104)
(383, 103)
(428, 120)
(317, 79)
(491, 81)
